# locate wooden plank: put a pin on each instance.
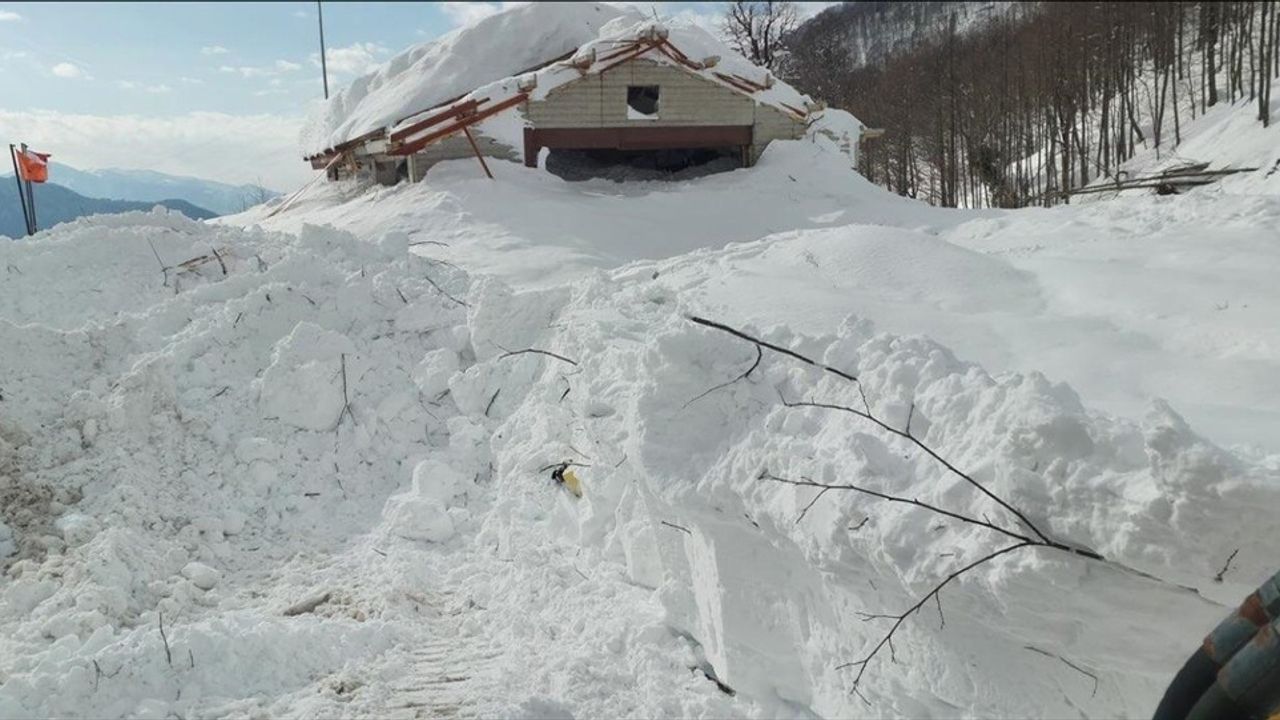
(641, 51)
(732, 81)
(476, 150)
(436, 119)
(418, 144)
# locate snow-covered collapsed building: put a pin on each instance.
(555, 76)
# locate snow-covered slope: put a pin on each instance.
(305, 475)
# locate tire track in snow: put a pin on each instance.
(448, 676)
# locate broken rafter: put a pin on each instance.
(409, 148)
(629, 46)
(340, 148)
(800, 114)
(455, 111)
(735, 82)
(642, 48)
(667, 49)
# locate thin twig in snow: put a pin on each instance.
(1069, 664)
(443, 292)
(220, 262)
(887, 639)
(815, 499)
(1218, 578)
(492, 399)
(762, 343)
(511, 353)
(743, 376)
(346, 401)
(168, 654)
(806, 482)
(681, 528)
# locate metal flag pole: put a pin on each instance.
(31, 201)
(324, 68)
(22, 198)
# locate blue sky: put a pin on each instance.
(190, 88)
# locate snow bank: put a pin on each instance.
(313, 459)
(674, 494)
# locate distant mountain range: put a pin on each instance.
(149, 186)
(56, 204)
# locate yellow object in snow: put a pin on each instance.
(572, 483)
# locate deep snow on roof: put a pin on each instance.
(488, 58)
(434, 72)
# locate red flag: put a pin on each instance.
(33, 166)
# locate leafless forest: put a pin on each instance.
(1011, 104)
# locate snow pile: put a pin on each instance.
(434, 72)
(316, 457)
(169, 435)
(673, 492)
(252, 484)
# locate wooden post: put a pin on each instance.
(31, 201)
(476, 150)
(413, 167)
(531, 148)
(22, 198)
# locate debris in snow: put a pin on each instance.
(308, 604)
(201, 575)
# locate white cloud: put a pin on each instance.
(214, 50)
(354, 59)
(9, 16)
(301, 14)
(246, 71)
(191, 144)
(465, 13)
(190, 80)
(67, 70)
(249, 71)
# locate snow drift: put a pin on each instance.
(264, 467)
(322, 426)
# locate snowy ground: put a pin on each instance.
(178, 444)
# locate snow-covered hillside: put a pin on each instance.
(268, 467)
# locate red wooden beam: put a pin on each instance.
(628, 58)
(619, 51)
(801, 115)
(476, 150)
(750, 83)
(666, 49)
(735, 82)
(455, 111)
(412, 147)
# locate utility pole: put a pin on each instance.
(324, 69)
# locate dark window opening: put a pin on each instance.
(642, 100)
(642, 165)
